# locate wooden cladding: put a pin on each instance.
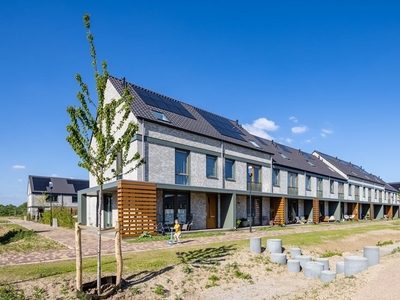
(315, 214)
(136, 208)
(278, 209)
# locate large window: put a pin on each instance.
(181, 167)
(229, 169)
(292, 183)
(292, 179)
(176, 206)
(276, 177)
(211, 166)
(332, 186)
(255, 179)
(308, 182)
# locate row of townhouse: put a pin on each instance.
(203, 167)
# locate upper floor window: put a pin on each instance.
(118, 165)
(74, 199)
(350, 189)
(292, 179)
(332, 186)
(341, 187)
(229, 169)
(319, 184)
(255, 174)
(276, 177)
(181, 167)
(211, 166)
(357, 191)
(308, 182)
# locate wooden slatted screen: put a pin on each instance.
(355, 211)
(315, 210)
(390, 212)
(372, 213)
(136, 208)
(278, 206)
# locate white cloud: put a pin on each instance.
(299, 129)
(293, 119)
(288, 140)
(325, 132)
(260, 127)
(308, 141)
(18, 167)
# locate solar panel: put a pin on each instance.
(78, 184)
(163, 103)
(40, 183)
(284, 148)
(307, 155)
(260, 140)
(222, 125)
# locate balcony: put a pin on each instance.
(293, 190)
(319, 193)
(255, 186)
(341, 195)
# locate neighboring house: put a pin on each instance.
(63, 194)
(197, 167)
(365, 194)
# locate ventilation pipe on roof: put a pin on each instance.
(123, 82)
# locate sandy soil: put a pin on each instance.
(243, 274)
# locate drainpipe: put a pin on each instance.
(222, 165)
(143, 153)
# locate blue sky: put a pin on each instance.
(314, 75)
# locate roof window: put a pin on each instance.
(254, 144)
(160, 116)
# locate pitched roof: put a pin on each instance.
(296, 159)
(350, 169)
(65, 186)
(185, 117)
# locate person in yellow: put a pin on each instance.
(178, 232)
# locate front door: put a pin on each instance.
(107, 208)
(211, 209)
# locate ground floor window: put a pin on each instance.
(176, 206)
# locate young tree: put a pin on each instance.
(97, 140)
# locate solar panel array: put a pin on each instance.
(222, 125)
(40, 183)
(162, 102)
(78, 184)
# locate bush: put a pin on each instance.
(63, 216)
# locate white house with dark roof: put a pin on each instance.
(63, 193)
(197, 167)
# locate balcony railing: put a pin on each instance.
(292, 190)
(341, 195)
(319, 194)
(255, 186)
(357, 197)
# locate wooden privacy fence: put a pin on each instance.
(136, 208)
(315, 214)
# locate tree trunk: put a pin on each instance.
(118, 254)
(78, 254)
(100, 204)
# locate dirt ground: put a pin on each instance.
(243, 274)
